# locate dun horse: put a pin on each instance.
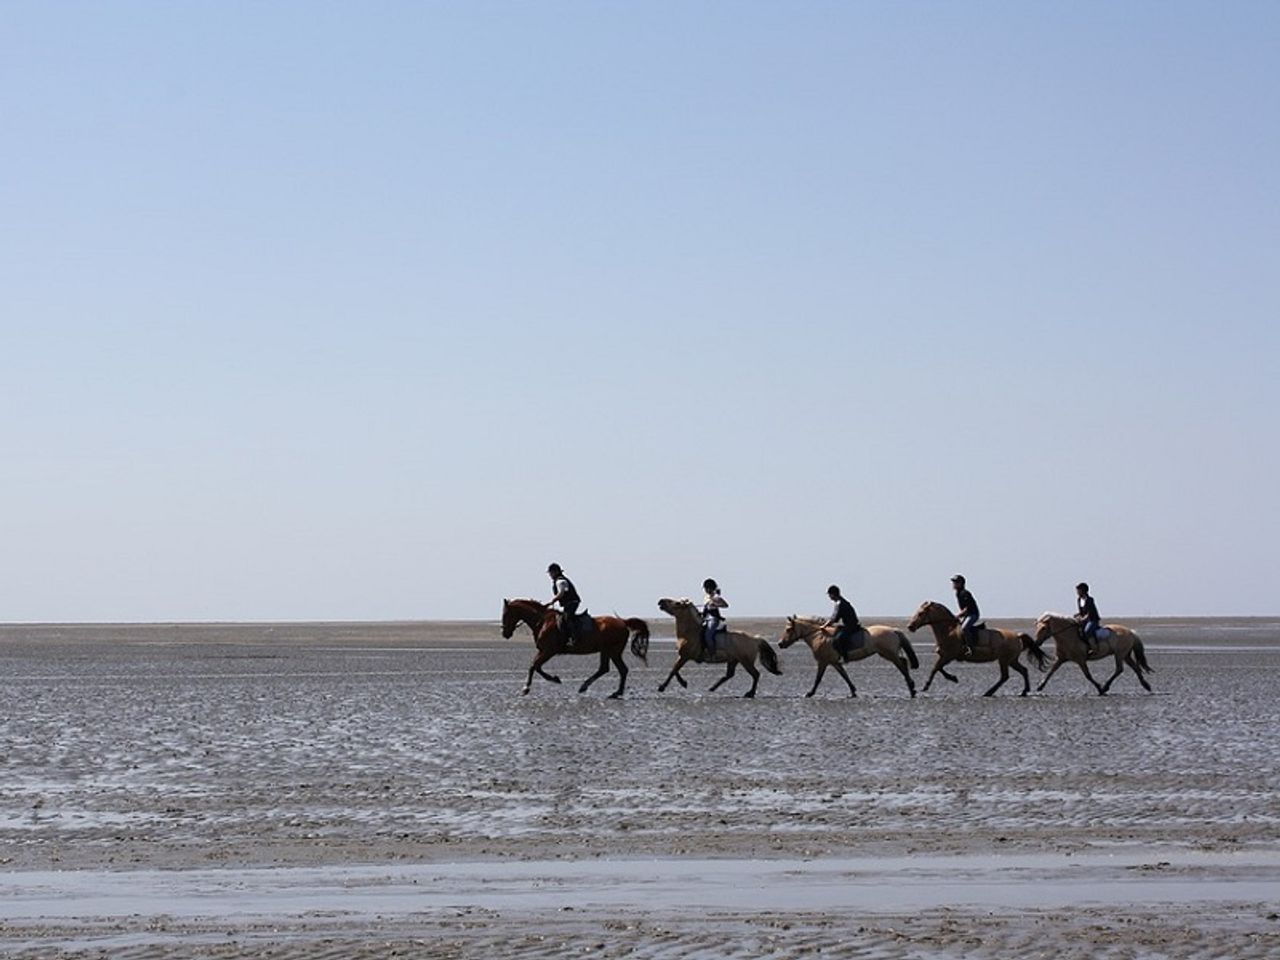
(608, 638)
(1122, 643)
(1003, 646)
(731, 647)
(889, 643)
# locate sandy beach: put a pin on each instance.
(312, 790)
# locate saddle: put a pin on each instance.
(584, 625)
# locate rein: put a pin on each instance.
(1055, 634)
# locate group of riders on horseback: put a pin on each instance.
(704, 636)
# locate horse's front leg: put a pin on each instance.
(1084, 666)
(733, 668)
(845, 673)
(1119, 670)
(938, 664)
(541, 658)
(822, 668)
(1049, 676)
(681, 660)
(1004, 675)
(604, 668)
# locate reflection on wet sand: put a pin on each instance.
(358, 784)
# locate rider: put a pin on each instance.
(565, 594)
(1087, 616)
(847, 619)
(968, 615)
(712, 621)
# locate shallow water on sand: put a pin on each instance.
(330, 745)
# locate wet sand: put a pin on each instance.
(353, 790)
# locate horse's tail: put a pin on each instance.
(639, 637)
(769, 657)
(1140, 655)
(1034, 652)
(909, 650)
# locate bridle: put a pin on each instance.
(814, 629)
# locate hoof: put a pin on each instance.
(749, 695)
(616, 695)
(524, 692)
(553, 679)
(913, 694)
(682, 681)
(809, 695)
(951, 679)
(583, 688)
(662, 688)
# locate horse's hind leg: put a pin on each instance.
(733, 668)
(1048, 676)
(1119, 670)
(604, 668)
(622, 675)
(1133, 665)
(755, 679)
(845, 673)
(1026, 677)
(822, 668)
(1004, 675)
(904, 669)
(675, 672)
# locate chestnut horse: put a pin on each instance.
(889, 643)
(731, 647)
(609, 639)
(1003, 646)
(1122, 643)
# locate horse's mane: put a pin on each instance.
(1050, 615)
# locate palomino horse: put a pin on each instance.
(1123, 644)
(609, 639)
(889, 643)
(731, 647)
(1003, 646)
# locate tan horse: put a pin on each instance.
(1123, 644)
(609, 639)
(887, 642)
(1003, 646)
(731, 647)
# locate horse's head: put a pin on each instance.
(791, 634)
(1050, 625)
(929, 613)
(676, 608)
(510, 619)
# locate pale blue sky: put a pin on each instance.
(372, 310)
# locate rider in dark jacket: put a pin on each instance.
(846, 618)
(712, 619)
(968, 614)
(1087, 616)
(565, 594)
